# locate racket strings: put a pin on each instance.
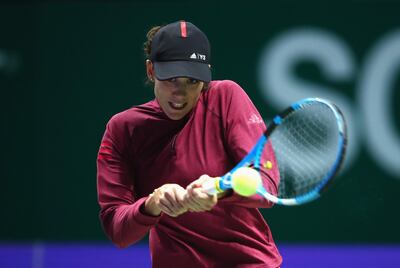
(305, 146)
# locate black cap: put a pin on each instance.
(180, 49)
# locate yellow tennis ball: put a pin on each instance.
(245, 181)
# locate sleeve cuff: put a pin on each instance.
(141, 217)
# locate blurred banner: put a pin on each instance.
(66, 68)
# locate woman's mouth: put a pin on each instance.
(177, 106)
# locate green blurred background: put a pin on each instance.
(66, 68)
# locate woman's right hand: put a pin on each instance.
(167, 199)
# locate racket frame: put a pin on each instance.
(253, 157)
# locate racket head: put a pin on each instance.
(309, 141)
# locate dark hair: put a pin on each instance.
(147, 50)
(150, 35)
(147, 47)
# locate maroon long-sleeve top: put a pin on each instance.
(143, 149)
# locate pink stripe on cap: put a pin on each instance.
(183, 29)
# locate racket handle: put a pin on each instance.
(211, 186)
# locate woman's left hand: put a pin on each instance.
(196, 199)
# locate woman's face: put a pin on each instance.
(177, 96)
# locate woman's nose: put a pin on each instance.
(179, 87)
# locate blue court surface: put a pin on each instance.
(59, 255)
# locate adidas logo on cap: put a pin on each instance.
(198, 56)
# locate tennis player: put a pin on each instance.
(153, 158)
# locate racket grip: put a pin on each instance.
(211, 186)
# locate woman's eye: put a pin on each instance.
(172, 79)
(193, 81)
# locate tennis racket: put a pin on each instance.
(309, 142)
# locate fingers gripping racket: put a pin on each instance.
(309, 142)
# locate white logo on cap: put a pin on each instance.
(198, 56)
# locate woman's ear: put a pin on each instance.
(150, 70)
